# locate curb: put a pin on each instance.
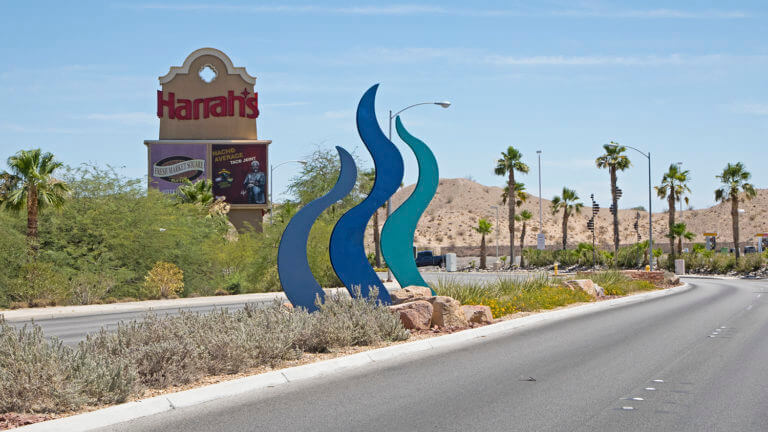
(55, 312)
(158, 404)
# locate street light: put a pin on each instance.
(650, 203)
(444, 104)
(541, 219)
(497, 231)
(679, 169)
(271, 183)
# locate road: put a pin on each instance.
(693, 361)
(72, 329)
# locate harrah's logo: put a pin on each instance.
(218, 106)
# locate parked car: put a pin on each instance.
(750, 249)
(426, 258)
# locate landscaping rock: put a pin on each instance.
(588, 286)
(671, 279)
(410, 293)
(477, 314)
(416, 315)
(447, 312)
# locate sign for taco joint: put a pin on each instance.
(208, 110)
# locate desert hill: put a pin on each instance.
(460, 203)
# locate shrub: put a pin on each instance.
(86, 288)
(163, 280)
(39, 283)
(616, 283)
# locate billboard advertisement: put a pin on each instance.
(171, 164)
(239, 173)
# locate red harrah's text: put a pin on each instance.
(230, 105)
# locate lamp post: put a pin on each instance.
(497, 231)
(541, 218)
(271, 170)
(679, 169)
(444, 104)
(650, 203)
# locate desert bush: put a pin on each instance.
(86, 288)
(506, 296)
(345, 321)
(35, 372)
(163, 280)
(40, 284)
(616, 283)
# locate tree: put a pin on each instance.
(735, 180)
(200, 192)
(483, 227)
(614, 160)
(510, 162)
(32, 186)
(523, 217)
(680, 231)
(568, 203)
(673, 187)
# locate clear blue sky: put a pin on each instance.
(683, 80)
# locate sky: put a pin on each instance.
(685, 81)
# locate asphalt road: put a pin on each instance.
(72, 329)
(693, 361)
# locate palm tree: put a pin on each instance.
(510, 162)
(680, 231)
(483, 227)
(523, 217)
(614, 160)
(200, 192)
(735, 180)
(566, 202)
(673, 187)
(33, 187)
(521, 194)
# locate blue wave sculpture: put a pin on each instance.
(346, 249)
(299, 284)
(400, 227)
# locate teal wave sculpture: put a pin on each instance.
(399, 229)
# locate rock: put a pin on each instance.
(410, 293)
(588, 286)
(477, 314)
(447, 312)
(415, 315)
(671, 278)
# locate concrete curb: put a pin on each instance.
(158, 404)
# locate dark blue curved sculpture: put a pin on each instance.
(397, 234)
(299, 284)
(347, 240)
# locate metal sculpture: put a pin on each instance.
(347, 251)
(400, 227)
(299, 284)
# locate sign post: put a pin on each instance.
(208, 109)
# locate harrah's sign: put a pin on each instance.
(231, 105)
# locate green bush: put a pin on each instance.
(506, 296)
(616, 283)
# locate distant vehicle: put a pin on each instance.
(426, 258)
(750, 249)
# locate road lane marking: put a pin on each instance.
(658, 380)
(627, 408)
(650, 388)
(749, 307)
